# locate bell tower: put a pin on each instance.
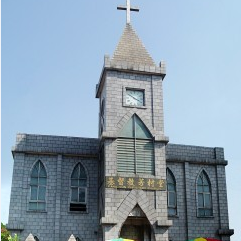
(132, 188)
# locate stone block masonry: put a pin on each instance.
(60, 154)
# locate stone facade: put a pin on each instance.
(108, 213)
(60, 155)
(186, 163)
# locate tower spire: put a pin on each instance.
(128, 9)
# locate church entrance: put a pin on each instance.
(132, 232)
(136, 229)
(136, 226)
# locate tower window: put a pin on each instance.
(171, 193)
(78, 189)
(204, 196)
(135, 148)
(102, 115)
(38, 184)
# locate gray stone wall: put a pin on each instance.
(118, 203)
(194, 153)
(186, 163)
(117, 113)
(31, 143)
(38, 223)
(57, 223)
(178, 231)
(81, 224)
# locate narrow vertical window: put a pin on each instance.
(38, 184)
(78, 189)
(36, 238)
(135, 148)
(102, 115)
(204, 197)
(171, 193)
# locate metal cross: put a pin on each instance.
(128, 9)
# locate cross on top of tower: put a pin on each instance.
(128, 9)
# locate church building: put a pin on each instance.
(130, 182)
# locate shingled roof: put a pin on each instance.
(131, 50)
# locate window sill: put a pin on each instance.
(78, 212)
(173, 216)
(204, 217)
(134, 106)
(36, 211)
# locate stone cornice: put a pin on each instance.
(207, 161)
(128, 68)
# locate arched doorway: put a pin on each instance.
(136, 226)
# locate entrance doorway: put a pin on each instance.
(136, 228)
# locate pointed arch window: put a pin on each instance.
(36, 238)
(171, 193)
(204, 195)
(78, 189)
(135, 148)
(38, 185)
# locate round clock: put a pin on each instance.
(135, 97)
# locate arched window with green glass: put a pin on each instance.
(135, 148)
(38, 185)
(171, 193)
(78, 189)
(204, 197)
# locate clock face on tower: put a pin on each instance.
(134, 97)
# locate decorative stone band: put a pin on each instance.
(15, 226)
(164, 223)
(135, 183)
(108, 221)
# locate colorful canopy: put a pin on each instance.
(204, 239)
(120, 239)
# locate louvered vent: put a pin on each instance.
(135, 148)
(126, 155)
(144, 156)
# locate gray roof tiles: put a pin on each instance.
(131, 50)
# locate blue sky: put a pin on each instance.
(52, 56)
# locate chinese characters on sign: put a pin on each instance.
(136, 183)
